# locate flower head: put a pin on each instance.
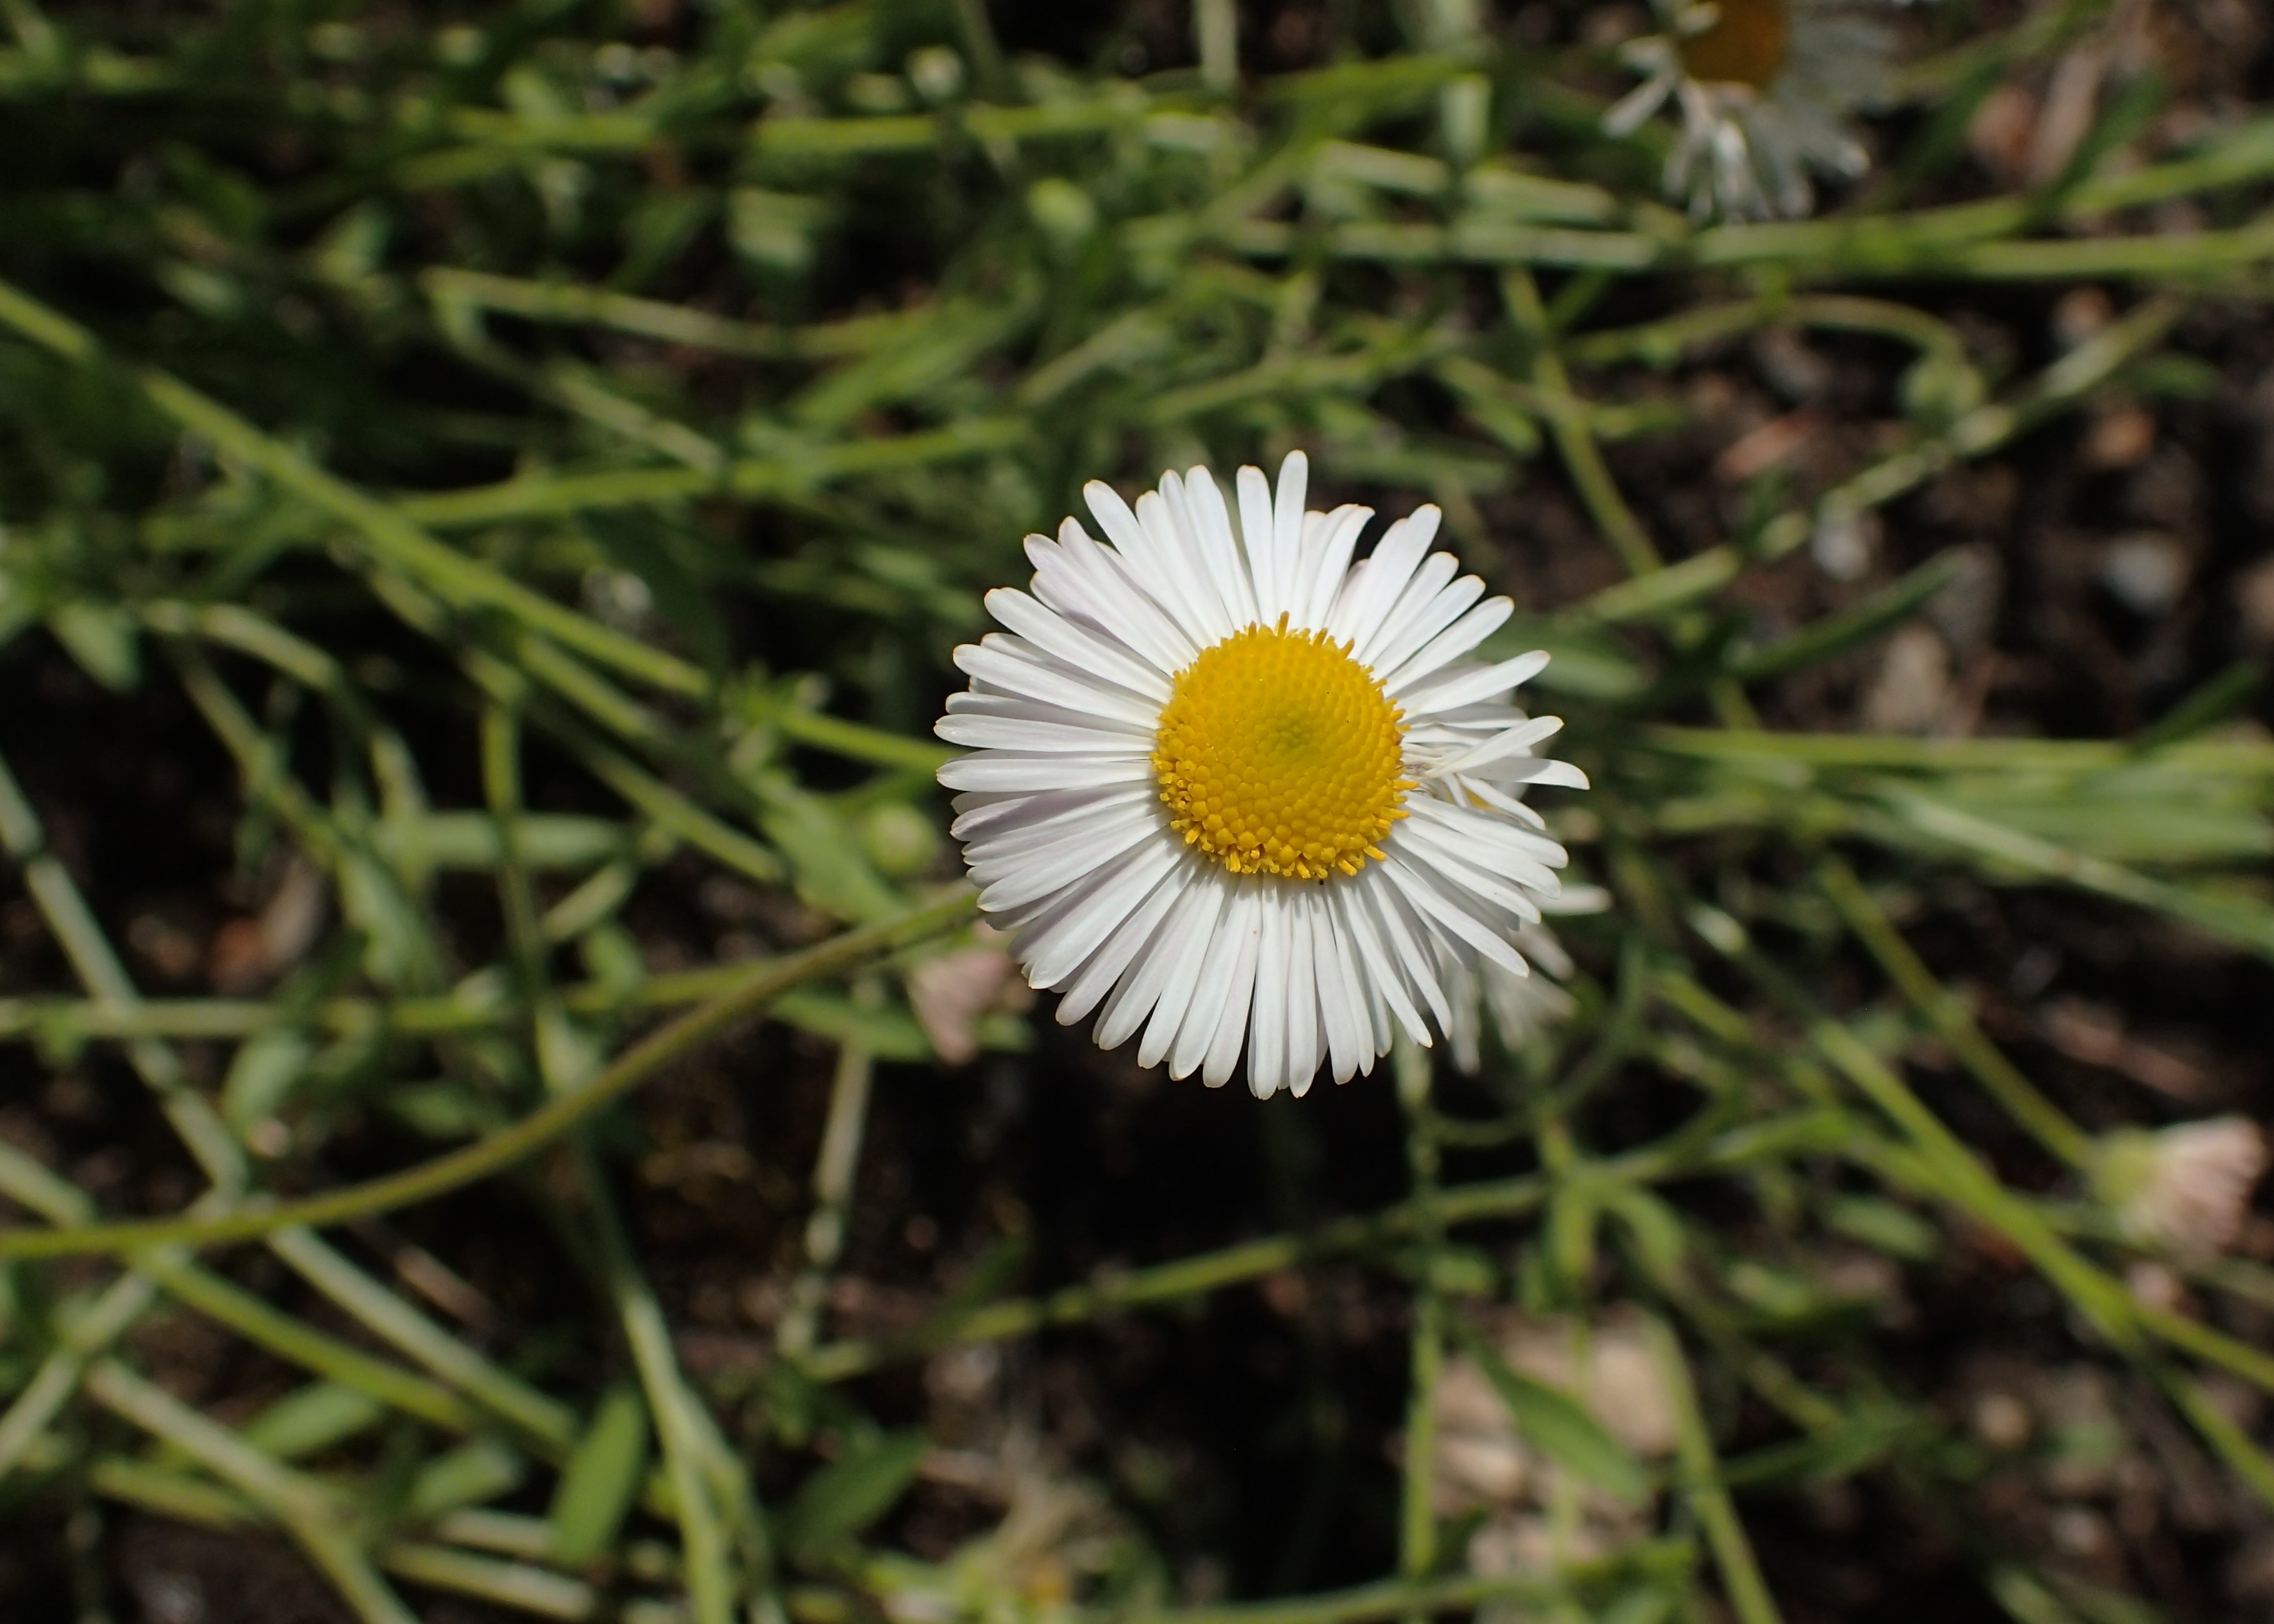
(1233, 790)
(2186, 1188)
(1764, 88)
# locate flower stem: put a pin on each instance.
(1709, 1498)
(702, 1025)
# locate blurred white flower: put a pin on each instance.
(950, 992)
(1765, 89)
(2185, 1188)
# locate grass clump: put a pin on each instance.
(488, 501)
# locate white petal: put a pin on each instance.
(1377, 973)
(1493, 877)
(1167, 520)
(1468, 1010)
(1627, 114)
(1259, 535)
(983, 699)
(1341, 1000)
(1154, 969)
(1018, 881)
(1095, 823)
(1017, 667)
(1183, 948)
(1347, 1001)
(1119, 524)
(1003, 733)
(1469, 685)
(1455, 641)
(1235, 923)
(1408, 629)
(1166, 572)
(1219, 548)
(1098, 604)
(1302, 995)
(1346, 593)
(1139, 984)
(1376, 587)
(1419, 887)
(1539, 770)
(992, 771)
(1267, 1025)
(1115, 598)
(1469, 828)
(1466, 789)
(1451, 734)
(992, 817)
(1079, 647)
(1379, 963)
(1287, 524)
(1512, 741)
(1403, 933)
(1421, 589)
(1132, 937)
(1239, 990)
(1310, 553)
(1325, 582)
(1055, 951)
(1427, 848)
(1212, 559)
(1541, 945)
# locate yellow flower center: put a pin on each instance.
(1279, 754)
(1744, 45)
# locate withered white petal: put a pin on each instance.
(1764, 89)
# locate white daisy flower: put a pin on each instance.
(1764, 87)
(1229, 788)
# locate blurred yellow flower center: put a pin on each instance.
(1279, 754)
(1744, 45)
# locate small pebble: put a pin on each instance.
(2001, 1421)
(2253, 597)
(2146, 572)
(1912, 689)
(1845, 542)
(2120, 439)
(2079, 1532)
(2080, 314)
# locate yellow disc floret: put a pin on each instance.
(1744, 44)
(1279, 754)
